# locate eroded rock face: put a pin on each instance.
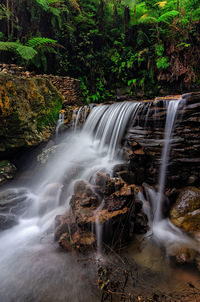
(28, 112)
(111, 203)
(186, 211)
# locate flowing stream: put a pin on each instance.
(31, 267)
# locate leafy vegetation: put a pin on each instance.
(141, 47)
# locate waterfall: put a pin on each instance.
(60, 122)
(24, 249)
(168, 135)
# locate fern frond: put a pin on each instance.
(168, 16)
(43, 3)
(40, 41)
(9, 46)
(26, 53)
(147, 19)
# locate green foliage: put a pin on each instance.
(38, 42)
(108, 44)
(162, 63)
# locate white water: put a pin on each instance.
(162, 230)
(26, 253)
(60, 122)
(169, 127)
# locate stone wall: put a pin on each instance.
(68, 87)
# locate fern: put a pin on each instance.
(39, 42)
(27, 53)
(147, 19)
(168, 16)
(9, 46)
(43, 4)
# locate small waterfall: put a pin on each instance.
(99, 230)
(169, 127)
(60, 122)
(109, 123)
(79, 117)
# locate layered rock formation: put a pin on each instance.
(110, 204)
(145, 142)
(68, 87)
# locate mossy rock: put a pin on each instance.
(29, 110)
(7, 171)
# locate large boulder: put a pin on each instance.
(29, 110)
(110, 205)
(186, 211)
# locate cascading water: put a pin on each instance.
(169, 126)
(26, 254)
(60, 122)
(28, 258)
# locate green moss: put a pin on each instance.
(50, 118)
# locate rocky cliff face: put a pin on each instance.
(144, 143)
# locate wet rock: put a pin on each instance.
(7, 171)
(81, 241)
(186, 211)
(182, 254)
(13, 201)
(7, 221)
(110, 203)
(64, 224)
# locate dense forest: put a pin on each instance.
(143, 48)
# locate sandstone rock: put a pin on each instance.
(186, 211)
(81, 240)
(28, 112)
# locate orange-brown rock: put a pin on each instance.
(186, 211)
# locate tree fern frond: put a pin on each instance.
(168, 16)
(9, 46)
(27, 53)
(40, 41)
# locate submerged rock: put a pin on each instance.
(28, 112)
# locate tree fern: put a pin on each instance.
(25, 52)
